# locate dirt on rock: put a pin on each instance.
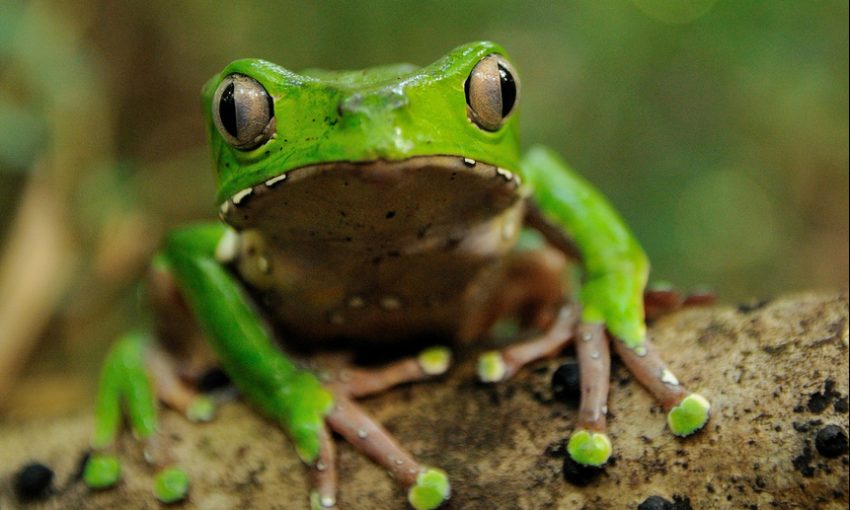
(776, 374)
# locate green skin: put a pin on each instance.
(311, 130)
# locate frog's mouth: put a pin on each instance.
(370, 201)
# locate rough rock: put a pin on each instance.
(776, 373)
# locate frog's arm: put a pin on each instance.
(243, 343)
(615, 266)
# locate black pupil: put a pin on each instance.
(227, 110)
(508, 90)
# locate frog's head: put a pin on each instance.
(267, 124)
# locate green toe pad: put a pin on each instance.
(202, 409)
(689, 416)
(589, 448)
(431, 489)
(435, 361)
(319, 503)
(491, 367)
(102, 471)
(171, 485)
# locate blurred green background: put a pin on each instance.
(718, 128)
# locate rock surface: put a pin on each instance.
(776, 373)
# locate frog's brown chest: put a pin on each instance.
(384, 253)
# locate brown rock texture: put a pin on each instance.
(776, 373)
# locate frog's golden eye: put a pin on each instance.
(243, 112)
(491, 92)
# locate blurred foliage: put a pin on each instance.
(719, 128)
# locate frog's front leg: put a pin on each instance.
(686, 412)
(296, 398)
(126, 383)
(615, 273)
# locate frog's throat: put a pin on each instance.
(417, 175)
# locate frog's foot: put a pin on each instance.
(358, 383)
(125, 384)
(174, 392)
(496, 366)
(589, 444)
(686, 412)
(427, 487)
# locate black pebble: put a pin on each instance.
(655, 503)
(578, 474)
(213, 379)
(557, 449)
(566, 383)
(33, 481)
(681, 503)
(81, 465)
(841, 405)
(831, 441)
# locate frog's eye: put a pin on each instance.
(491, 92)
(243, 112)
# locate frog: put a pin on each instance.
(378, 206)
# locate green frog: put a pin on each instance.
(384, 205)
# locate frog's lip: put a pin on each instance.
(383, 169)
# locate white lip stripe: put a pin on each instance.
(505, 174)
(242, 195)
(275, 180)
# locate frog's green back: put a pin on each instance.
(356, 79)
(390, 112)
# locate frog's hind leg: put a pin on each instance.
(359, 383)
(179, 337)
(427, 487)
(125, 385)
(663, 299)
(174, 391)
(686, 412)
(496, 366)
(531, 289)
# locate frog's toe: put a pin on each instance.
(102, 471)
(689, 416)
(497, 366)
(319, 502)
(432, 489)
(171, 485)
(435, 360)
(589, 448)
(491, 367)
(201, 409)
